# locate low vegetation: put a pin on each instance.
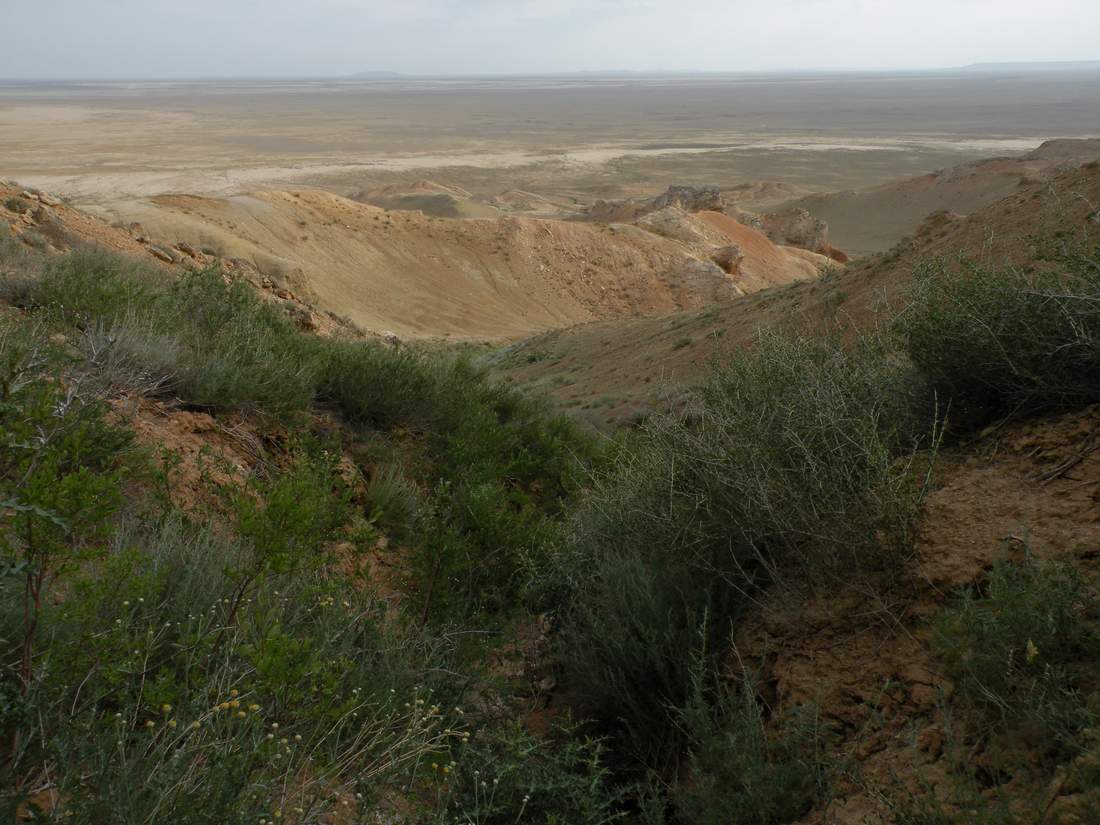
(797, 460)
(235, 661)
(1022, 648)
(1003, 342)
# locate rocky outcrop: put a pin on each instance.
(675, 223)
(686, 198)
(691, 199)
(795, 227)
(728, 258)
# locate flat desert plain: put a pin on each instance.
(571, 139)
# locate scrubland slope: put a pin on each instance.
(253, 573)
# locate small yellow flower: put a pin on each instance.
(253, 708)
(171, 723)
(223, 706)
(241, 714)
(195, 725)
(1032, 651)
(165, 708)
(149, 723)
(233, 692)
(235, 704)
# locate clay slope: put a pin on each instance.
(874, 219)
(427, 277)
(611, 371)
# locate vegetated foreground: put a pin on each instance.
(254, 573)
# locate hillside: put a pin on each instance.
(872, 220)
(420, 276)
(256, 574)
(612, 371)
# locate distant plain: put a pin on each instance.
(577, 138)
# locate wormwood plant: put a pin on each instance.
(742, 773)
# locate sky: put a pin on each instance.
(258, 38)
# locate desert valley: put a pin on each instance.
(660, 448)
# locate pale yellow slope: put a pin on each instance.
(421, 276)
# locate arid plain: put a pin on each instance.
(569, 137)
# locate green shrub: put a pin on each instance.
(740, 773)
(290, 515)
(796, 457)
(1021, 647)
(234, 350)
(631, 642)
(789, 456)
(498, 468)
(393, 501)
(62, 470)
(165, 696)
(380, 387)
(505, 775)
(998, 342)
(85, 287)
(210, 342)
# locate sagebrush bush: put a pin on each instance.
(1021, 646)
(998, 342)
(740, 772)
(797, 457)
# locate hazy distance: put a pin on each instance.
(76, 39)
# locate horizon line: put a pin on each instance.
(386, 75)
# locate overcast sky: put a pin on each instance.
(204, 38)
